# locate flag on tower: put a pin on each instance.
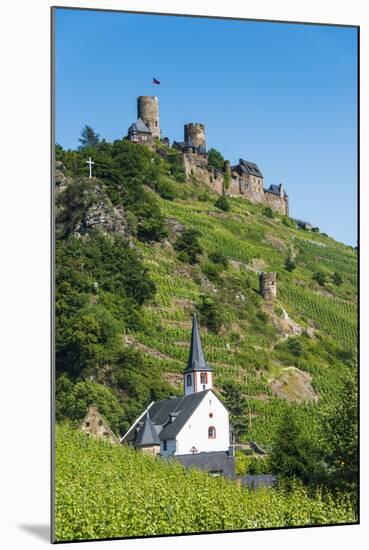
(155, 81)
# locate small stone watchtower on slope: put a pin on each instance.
(268, 285)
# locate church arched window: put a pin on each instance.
(211, 432)
(203, 378)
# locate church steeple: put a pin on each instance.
(198, 375)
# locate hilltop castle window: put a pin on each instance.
(211, 432)
(189, 380)
(203, 378)
(87, 424)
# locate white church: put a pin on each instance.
(193, 429)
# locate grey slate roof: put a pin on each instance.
(189, 144)
(276, 190)
(139, 127)
(213, 462)
(168, 416)
(261, 480)
(247, 167)
(196, 359)
(147, 434)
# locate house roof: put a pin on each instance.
(147, 434)
(139, 127)
(247, 167)
(216, 461)
(168, 416)
(196, 360)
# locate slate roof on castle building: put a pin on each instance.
(247, 167)
(196, 360)
(139, 127)
(168, 416)
(189, 144)
(276, 190)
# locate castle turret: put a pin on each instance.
(195, 133)
(268, 285)
(148, 111)
(198, 375)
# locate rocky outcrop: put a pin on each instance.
(104, 217)
(294, 385)
(83, 205)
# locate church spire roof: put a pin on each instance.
(196, 359)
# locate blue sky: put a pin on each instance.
(281, 95)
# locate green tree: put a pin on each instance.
(215, 159)
(88, 137)
(297, 450)
(188, 246)
(73, 400)
(223, 203)
(210, 313)
(236, 403)
(340, 427)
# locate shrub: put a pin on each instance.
(337, 278)
(268, 212)
(295, 347)
(290, 263)
(218, 257)
(212, 271)
(320, 278)
(288, 222)
(222, 203)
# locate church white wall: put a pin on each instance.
(195, 432)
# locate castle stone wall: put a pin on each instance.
(197, 166)
(277, 203)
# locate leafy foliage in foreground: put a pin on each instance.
(105, 490)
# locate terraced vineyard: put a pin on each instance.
(246, 349)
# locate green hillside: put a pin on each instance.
(139, 250)
(105, 490)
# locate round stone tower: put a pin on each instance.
(196, 132)
(268, 285)
(148, 111)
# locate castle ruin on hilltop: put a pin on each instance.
(241, 180)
